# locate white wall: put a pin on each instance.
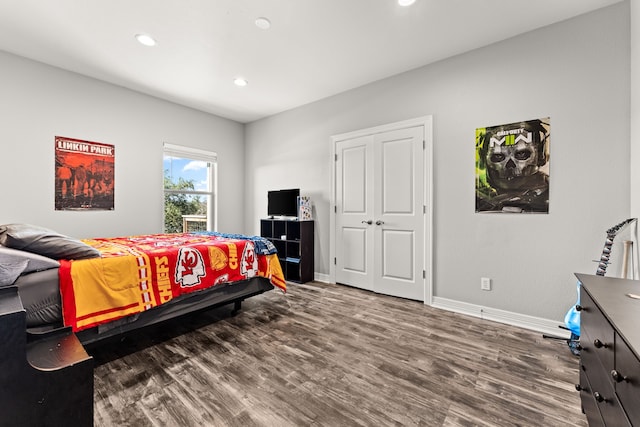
(635, 110)
(39, 102)
(576, 72)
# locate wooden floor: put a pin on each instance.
(331, 355)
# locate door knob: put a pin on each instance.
(378, 222)
(367, 222)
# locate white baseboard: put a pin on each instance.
(319, 277)
(538, 324)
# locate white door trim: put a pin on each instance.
(427, 123)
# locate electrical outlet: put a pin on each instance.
(485, 283)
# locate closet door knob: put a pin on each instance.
(367, 222)
(598, 397)
(378, 222)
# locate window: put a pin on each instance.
(189, 189)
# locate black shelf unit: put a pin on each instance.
(294, 241)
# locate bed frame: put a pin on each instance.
(230, 293)
(46, 374)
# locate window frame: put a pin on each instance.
(211, 157)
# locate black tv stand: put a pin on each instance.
(294, 241)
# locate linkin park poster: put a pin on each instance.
(84, 175)
(512, 167)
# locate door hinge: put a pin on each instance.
(336, 158)
(424, 274)
(424, 144)
(335, 208)
(424, 209)
(335, 261)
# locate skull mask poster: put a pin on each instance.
(512, 167)
(84, 175)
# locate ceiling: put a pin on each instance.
(314, 48)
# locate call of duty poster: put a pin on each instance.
(512, 167)
(84, 175)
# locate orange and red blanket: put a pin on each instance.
(137, 273)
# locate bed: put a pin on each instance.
(58, 294)
(102, 287)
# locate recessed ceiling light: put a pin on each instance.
(263, 23)
(145, 39)
(239, 81)
(406, 2)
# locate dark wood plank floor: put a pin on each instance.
(331, 355)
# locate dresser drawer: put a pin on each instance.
(598, 384)
(627, 380)
(591, 365)
(600, 332)
(589, 405)
(597, 391)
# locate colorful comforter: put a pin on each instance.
(137, 273)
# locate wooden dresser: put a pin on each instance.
(610, 347)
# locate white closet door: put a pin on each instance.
(379, 212)
(398, 213)
(354, 206)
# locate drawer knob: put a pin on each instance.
(599, 344)
(578, 307)
(598, 397)
(580, 388)
(618, 377)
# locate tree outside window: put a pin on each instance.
(189, 178)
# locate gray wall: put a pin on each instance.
(576, 72)
(635, 110)
(39, 102)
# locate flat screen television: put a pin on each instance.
(283, 202)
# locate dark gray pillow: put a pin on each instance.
(45, 242)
